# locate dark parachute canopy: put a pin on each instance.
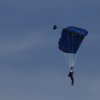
(71, 39)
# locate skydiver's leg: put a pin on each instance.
(72, 79)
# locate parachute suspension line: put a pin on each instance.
(69, 54)
(75, 58)
(71, 58)
(72, 65)
(67, 57)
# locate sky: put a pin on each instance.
(31, 65)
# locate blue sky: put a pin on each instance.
(31, 66)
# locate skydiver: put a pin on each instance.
(71, 76)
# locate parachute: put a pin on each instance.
(54, 27)
(70, 41)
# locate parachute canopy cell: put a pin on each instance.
(71, 39)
